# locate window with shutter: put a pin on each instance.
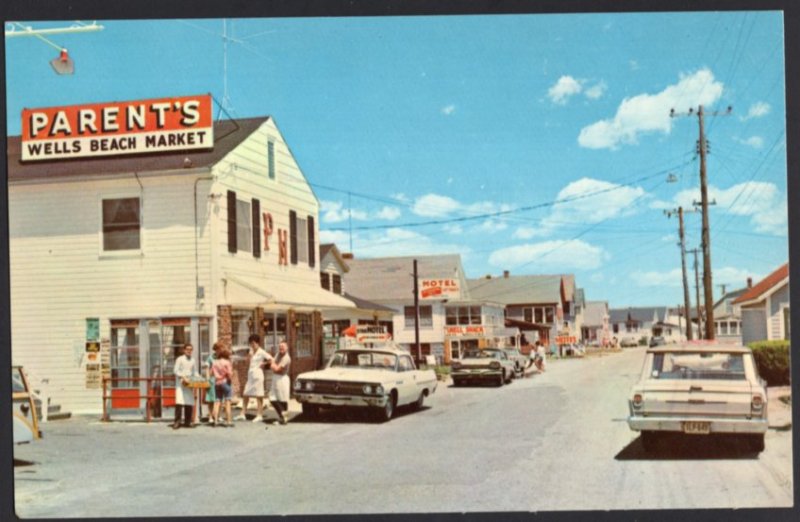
(271, 159)
(302, 241)
(231, 221)
(325, 280)
(293, 237)
(337, 284)
(256, 228)
(244, 238)
(311, 245)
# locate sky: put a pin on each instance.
(538, 144)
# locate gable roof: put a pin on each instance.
(733, 294)
(521, 289)
(363, 304)
(765, 285)
(595, 312)
(642, 314)
(330, 248)
(389, 279)
(228, 134)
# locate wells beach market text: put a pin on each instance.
(400, 279)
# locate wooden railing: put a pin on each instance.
(155, 393)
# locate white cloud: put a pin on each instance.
(390, 242)
(565, 87)
(399, 196)
(549, 256)
(763, 202)
(596, 91)
(597, 277)
(733, 278)
(388, 213)
(634, 65)
(453, 228)
(646, 113)
(669, 238)
(611, 201)
(756, 142)
(334, 212)
(757, 110)
(651, 278)
(434, 205)
(493, 225)
(448, 110)
(526, 233)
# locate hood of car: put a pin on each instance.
(349, 375)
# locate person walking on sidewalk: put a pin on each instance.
(281, 383)
(255, 378)
(222, 369)
(184, 396)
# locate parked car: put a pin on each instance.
(482, 365)
(628, 342)
(520, 361)
(381, 379)
(657, 341)
(24, 417)
(698, 390)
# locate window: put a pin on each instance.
(538, 315)
(463, 315)
(549, 313)
(241, 326)
(451, 316)
(406, 365)
(243, 233)
(125, 355)
(302, 241)
(271, 159)
(325, 280)
(616, 328)
(337, 284)
(121, 224)
(425, 316)
(303, 345)
(527, 314)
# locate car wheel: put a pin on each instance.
(310, 410)
(649, 440)
(384, 414)
(755, 443)
(457, 382)
(501, 379)
(509, 377)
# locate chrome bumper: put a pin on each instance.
(340, 400)
(718, 425)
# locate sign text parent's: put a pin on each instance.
(128, 127)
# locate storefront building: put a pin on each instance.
(129, 254)
(475, 324)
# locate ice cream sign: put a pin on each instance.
(111, 129)
(439, 289)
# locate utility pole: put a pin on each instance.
(682, 244)
(416, 314)
(694, 253)
(708, 288)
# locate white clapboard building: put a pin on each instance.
(118, 260)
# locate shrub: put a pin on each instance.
(772, 360)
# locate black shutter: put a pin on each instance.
(293, 236)
(231, 222)
(256, 228)
(311, 249)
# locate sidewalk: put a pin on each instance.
(780, 413)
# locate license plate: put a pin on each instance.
(697, 428)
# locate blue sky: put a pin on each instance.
(451, 117)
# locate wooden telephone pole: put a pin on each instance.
(682, 244)
(694, 253)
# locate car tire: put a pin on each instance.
(310, 410)
(649, 440)
(501, 379)
(385, 413)
(509, 377)
(755, 443)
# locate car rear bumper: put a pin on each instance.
(340, 400)
(476, 375)
(718, 425)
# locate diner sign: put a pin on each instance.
(114, 128)
(439, 289)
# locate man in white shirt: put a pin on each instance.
(184, 397)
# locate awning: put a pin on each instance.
(273, 294)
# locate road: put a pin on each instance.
(555, 441)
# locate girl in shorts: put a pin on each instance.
(223, 371)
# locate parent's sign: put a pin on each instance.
(110, 129)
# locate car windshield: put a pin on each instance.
(700, 365)
(17, 384)
(363, 359)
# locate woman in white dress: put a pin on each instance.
(281, 382)
(255, 378)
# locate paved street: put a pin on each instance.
(555, 441)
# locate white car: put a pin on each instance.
(483, 365)
(699, 389)
(381, 379)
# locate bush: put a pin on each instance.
(772, 360)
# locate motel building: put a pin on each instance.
(138, 226)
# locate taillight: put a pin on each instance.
(638, 401)
(758, 402)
